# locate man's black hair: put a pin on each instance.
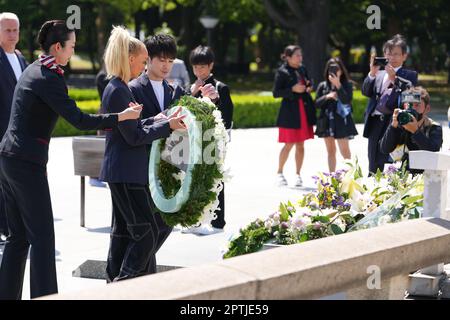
(397, 41)
(161, 45)
(201, 55)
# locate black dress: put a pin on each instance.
(330, 123)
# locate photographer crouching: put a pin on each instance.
(411, 129)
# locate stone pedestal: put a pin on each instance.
(391, 289)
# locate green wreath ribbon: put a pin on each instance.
(183, 203)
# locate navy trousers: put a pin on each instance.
(137, 232)
(377, 127)
(30, 219)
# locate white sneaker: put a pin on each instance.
(203, 230)
(298, 182)
(282, 182)
(189, 229)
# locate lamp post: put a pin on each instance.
(209, 23)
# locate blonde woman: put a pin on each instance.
(136, 233)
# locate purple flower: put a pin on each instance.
(317, 225)
(284, 225)
(391, 170)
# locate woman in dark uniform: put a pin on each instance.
(137, 231)
(39, 98)
(297, 114)
(335, 122)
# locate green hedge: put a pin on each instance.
(250, 111)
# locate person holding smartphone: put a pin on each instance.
(335, 122)
(383, 91)
(297, 114)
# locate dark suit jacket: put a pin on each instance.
(289, 114)
(7, 84)
(372, 90)
(39, 99)
(126, 154)
(143, 92)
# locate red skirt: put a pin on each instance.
(288, 135)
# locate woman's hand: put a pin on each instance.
(299, 88)
(160, 116)
(132, 112)
(332, 96)
(176, 121)
(335, 81)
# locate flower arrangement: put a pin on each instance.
(344, 201)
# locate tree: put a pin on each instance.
(309, 20)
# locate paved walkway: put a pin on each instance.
(252, 192)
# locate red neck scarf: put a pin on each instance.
(49, 62)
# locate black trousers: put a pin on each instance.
(30, 219)
(220, 212)
(377, 127)
(3, 223)
(137, 232)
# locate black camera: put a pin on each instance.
(381, 62)
(405, 116)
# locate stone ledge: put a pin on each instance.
(305, 271)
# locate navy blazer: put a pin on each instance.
(40, 97)
(144, 94)
(7, 84)
(372, 90)
(126, 153)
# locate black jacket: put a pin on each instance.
(428, 138)
(7, 84)
(224, 104)
(289, 115)
(372, 89)
(143, 92)
(126, 153)
(40, 97)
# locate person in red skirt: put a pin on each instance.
(297, 115)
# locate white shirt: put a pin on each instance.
(15, 64)
(159, 92)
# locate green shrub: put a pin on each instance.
(84, 94)
(65, 129)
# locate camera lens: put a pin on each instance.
(404, 117)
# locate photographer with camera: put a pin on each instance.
(411, 129)
(384, 88)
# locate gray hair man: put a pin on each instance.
(12, 64)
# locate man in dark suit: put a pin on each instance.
(384, 87)
(152, 90)
(12, 63)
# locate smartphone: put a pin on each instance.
(333, 70)
(380, 61)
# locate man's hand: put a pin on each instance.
(209, 91)
(391, 72)
(394, 118)
(176, 121)
(160, 116)
(373, 68)
(412, 126)
(195, 87)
